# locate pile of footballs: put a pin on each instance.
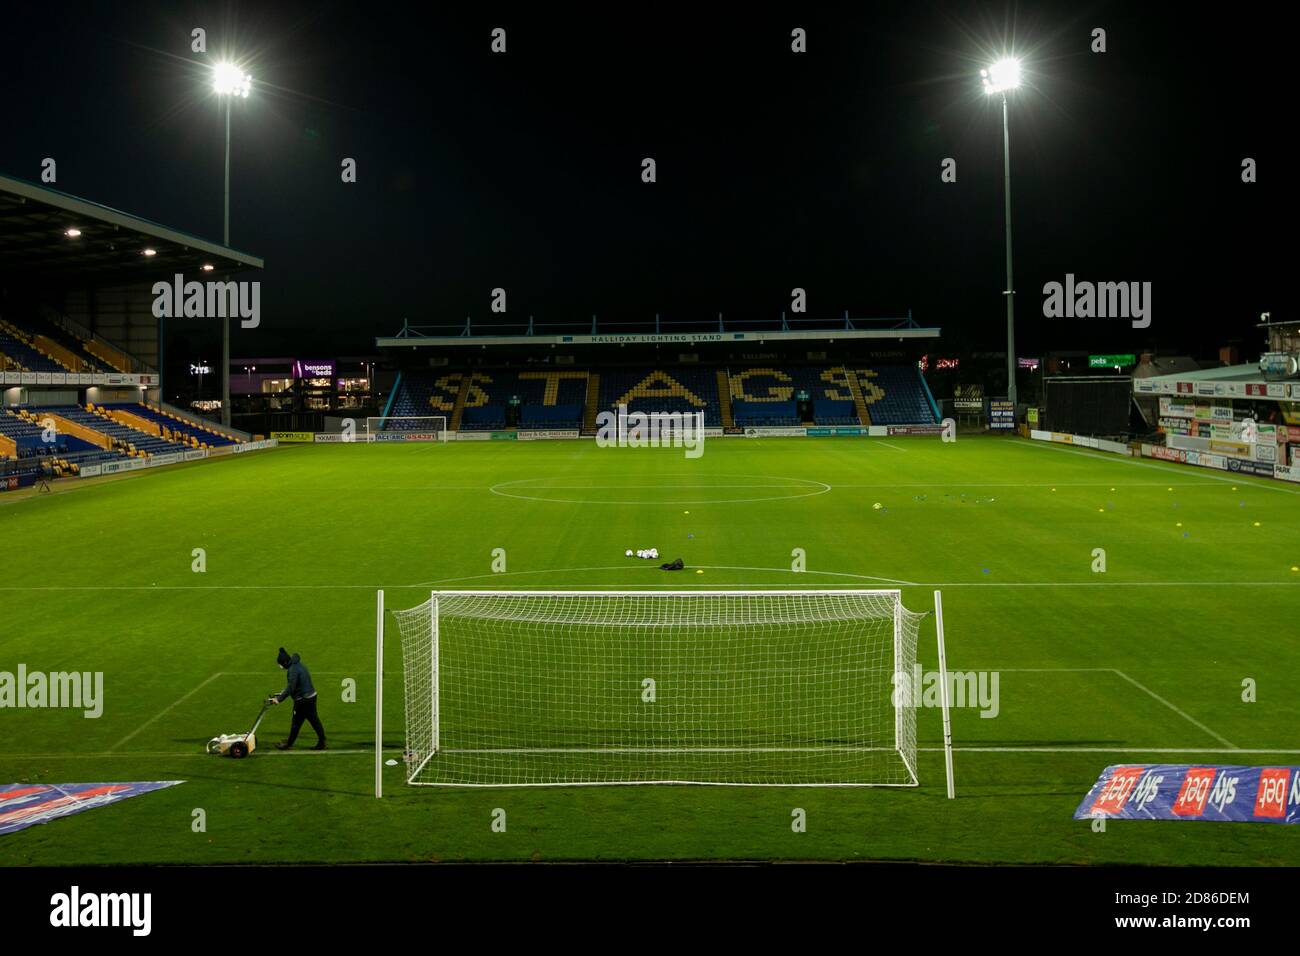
(643, 553)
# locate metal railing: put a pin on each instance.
(658, 326)
(79, 331)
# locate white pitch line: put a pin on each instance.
(660, 487)
(655, 567)
(164, 711)
(888, 445)
(1113, 750)
(199, 752)
(594, 586)
(1118, 673)
(1106, 584)
(369, 752)
(1028, 484)
(1172, 469)
(1181, 713)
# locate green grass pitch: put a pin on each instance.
(1142, 663)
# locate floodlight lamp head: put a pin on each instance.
(1001, 76)
(230, 80)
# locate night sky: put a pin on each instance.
(775, 170)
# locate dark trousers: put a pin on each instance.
(306, 710)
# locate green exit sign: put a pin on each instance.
(1111, 361)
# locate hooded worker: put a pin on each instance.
(300, 688)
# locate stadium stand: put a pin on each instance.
(23, 441)
(421, 393)
(883, 395)
(665, 389)
(483, 418)
(895, 395)
(20, 348)
(830, 411)
(129, 440)
(478, 400)
(764, 413)
(548, 398)
(174, 427)
(70, 351)
(752, 396)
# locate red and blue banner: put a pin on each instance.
(1194, 792)
(25, 805)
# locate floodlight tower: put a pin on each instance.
(228, 81)
(1002, 76)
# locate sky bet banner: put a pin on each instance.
(1191, 792)
(26, 804)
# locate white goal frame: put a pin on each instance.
(436, 595)
(372, 434)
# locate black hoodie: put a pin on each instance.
(299, 684)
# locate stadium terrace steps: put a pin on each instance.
(724, 399)
(84, 433)
(119, 414)
(17, 345)
(859, 401)
(112, 358)
(591, 402)
(49, 343)
(458, 409)
(62, 355)
(176, 427)
(67, 348)
(130, 439)
(23, 438)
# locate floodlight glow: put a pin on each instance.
(151, 252)
(228, 79)
(1001, 76)
(73, 232)
(208, 267)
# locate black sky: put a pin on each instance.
(775, 170)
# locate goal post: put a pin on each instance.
(943, 693)
(426, 428)
(796, 688)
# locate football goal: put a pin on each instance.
(729, 688)
(406, 428)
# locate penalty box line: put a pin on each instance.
(1231, 747)
(166, 710)
(182, 699)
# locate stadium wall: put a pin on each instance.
(1181, 456)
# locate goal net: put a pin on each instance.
(757, 688)
(406, 428)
